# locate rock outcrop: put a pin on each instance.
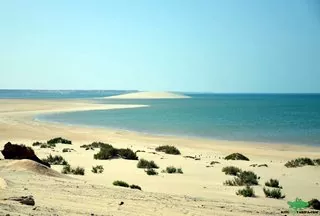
(18, 152)
(26, 200)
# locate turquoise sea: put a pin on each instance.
(287, 118)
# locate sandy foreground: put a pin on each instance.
(199, 191)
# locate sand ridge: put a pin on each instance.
(149, 95)
(31, 166)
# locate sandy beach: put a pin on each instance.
(199, 191)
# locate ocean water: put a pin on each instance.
(57, 94)
(291, 118)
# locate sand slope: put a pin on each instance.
(73, 197)
(149, 95)
(30, 166)
(3, 183)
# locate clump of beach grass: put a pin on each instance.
(135, 187)
(273, 183)
(300, 162)
(97, 169)
(109, 152)
(151, 171)
(236, 156)
(67, 169)
(231, 170)
(96, 145)
(316, 161)
(55, 160)
(124, 184)
(246, 192)
(273, 193)
(44, 145)
(168, 149)
(59, 140)
(145, 164)
(67, 150)
(120, 183)
(243, 178)
(172, 169)
(37, 143)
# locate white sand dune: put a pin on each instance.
(149, 95)
(31, 166)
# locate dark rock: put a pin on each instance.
(262, 165)
(18, 152)
(26, 200)
(121, 203)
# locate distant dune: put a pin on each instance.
(149, 95)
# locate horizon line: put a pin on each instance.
(187, 92)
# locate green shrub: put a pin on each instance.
(315, 204)
(273, 183)
(248, 178)
(147, 164)
(36, 144)
(59, 140)
(78, 171)
(97, 169)
(234, 182)
(67, 150)
(316, 161)
(274, 193)
(299, 162)
(214, 162)
(97, 145)
(246, 192)
(151, 172)
(168, 150)
(120, 183)
(127, 154)
(55, 160)
(179, 170)
(236, 156)
(109, 152)
(67, 169)
(231, 170)
(135, 187)
(243, 178)
(106, 153)
(172, 169)
(46, 145)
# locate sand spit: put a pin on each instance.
(149, 95)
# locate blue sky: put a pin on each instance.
(168, 45)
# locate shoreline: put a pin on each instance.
(145, 133)
(57, 106)
(201, 181)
